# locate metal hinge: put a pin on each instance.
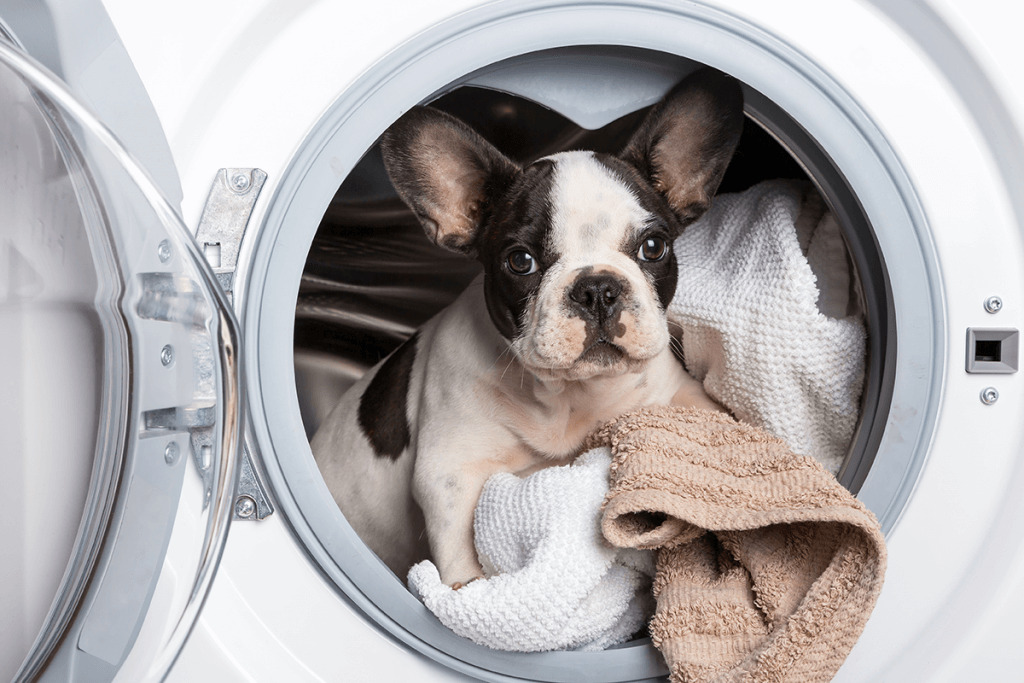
(252, 503)
(225, 218)
(221, 228)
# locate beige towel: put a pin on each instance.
(767, 568)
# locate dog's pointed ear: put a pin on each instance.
(446, 173)
(686, 141)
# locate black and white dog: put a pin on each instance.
(564, 330)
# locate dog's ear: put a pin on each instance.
(686, 141)
(446, 173)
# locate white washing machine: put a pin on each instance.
(251, 126)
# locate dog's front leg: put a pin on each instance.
(448, 498)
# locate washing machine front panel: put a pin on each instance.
(882, 101)
(327, 535)
(105, 277)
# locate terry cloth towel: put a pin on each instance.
(770, 318)
(554, 582)
(767, 568)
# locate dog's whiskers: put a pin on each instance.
(511, 360)
(500, 356)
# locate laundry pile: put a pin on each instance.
(766, 567)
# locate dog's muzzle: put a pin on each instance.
(598, 300)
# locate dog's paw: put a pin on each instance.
(462, 584)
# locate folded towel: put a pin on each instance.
(553, 582)
(770, 317)
(767, 568)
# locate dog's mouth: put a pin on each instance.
(602, 352)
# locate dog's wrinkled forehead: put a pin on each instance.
(593, 208)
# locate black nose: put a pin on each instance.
(596, 296)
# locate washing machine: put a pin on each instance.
(200, 251)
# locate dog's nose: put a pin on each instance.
(597, 296)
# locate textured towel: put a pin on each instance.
(770, 321)
(767, 568)
(554, 582)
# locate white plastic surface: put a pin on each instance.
(290, 632)
(239, 84)
(991, 30)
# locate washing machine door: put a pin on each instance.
(121, 399)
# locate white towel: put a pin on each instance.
(770, 321)
(553, 582)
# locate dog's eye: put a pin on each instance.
(522, 263)
(652, 249)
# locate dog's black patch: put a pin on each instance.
(520, 218)
(664, 273)
(383, 406)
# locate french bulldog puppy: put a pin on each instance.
(564, 330)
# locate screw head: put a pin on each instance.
(245, 507)
(989, 395)
(993, 304)
(163, 250)
(167, 355)
(240, 183)
(172, 452)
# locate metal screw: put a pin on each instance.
(167, 355)
(245, 507)
(171, 453)
(993, 304)
(240, 183)
(989, 395)
(163, 250)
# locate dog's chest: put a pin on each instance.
(554, 418)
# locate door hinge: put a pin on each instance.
(221, 228)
